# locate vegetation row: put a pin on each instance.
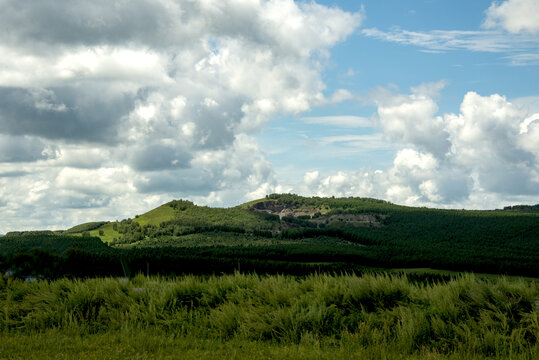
(465, 316)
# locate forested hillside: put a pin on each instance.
(293, 234)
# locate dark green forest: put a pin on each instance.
(284, 233)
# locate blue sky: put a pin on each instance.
(108, 109)
(363, 63)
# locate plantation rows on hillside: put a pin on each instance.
(285, 233)
(396, 236)
(57, 256)
(343, 316)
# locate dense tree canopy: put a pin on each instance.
(287, 233)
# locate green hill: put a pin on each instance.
(290, 233)
(108, 231)
(85, 227)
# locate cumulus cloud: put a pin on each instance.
(105, 102)
(514, 16)
(81, 156)
(480, 157)
(412, 118)
(486, 139)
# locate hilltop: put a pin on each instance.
(273, 214)
(290, 233)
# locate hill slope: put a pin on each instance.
(285, 232)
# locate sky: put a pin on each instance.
(111, 108)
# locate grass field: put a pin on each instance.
(269, 317)
(54, 345)
(429, 271)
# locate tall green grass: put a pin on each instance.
(346, 314)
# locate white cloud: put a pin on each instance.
(510, 26)
(338, 96)
(450, 40)
(102, 181)
(524, 59)
(412, 118)
(514, 16)
(131, 66)
(486, 139)
(529, 103)
(311, 177)
(525, 125)
(414, 161)
(429, 189)
(79, 156)
(485, 129)
(490, 157)
(401, 194)
(341, 121)
(529, 140)
(153, 99)
(351, 139)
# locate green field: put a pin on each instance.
(269, 317)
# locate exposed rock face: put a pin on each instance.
(283, 209)
(270, 207)
(317, 215)
(351, 220)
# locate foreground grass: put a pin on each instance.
(270, 317)
(450, 273)
(58, 345)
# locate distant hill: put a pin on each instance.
(294, 234)
(29, 232)
(85, 227)
(269, 216)
(523, 208)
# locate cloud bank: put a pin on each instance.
(114, 106)
(482, 157)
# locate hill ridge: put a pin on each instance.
(282, 232)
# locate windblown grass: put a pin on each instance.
(248, 316)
